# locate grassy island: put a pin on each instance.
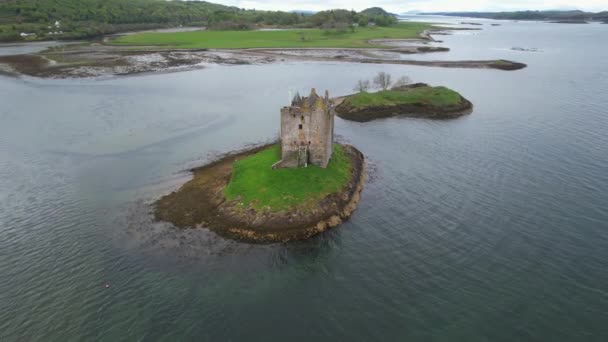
(292, 38)
(241, 196)
(418, 100)
(255, 184)
(436, 96)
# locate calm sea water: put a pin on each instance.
(492, 227)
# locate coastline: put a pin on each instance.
(121, 63)
(99, 59)
(201, 203)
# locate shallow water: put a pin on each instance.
(491, 227)
(21, 48)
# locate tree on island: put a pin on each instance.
(402, 82)
(382, 80)
(362, 86)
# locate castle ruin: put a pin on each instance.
(307, 132)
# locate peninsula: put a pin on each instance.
(292, 190)
(196, 34)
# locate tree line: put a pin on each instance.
(532, 15)
(88, 18)
(382, 81)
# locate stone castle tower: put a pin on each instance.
(307, 132)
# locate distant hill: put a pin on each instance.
(601, 16)
(377, 11)
(574, 15)
(87, 18)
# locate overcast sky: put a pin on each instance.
(399, 6)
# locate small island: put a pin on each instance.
(280, 192)
(412, 100)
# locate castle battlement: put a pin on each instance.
(307, 131)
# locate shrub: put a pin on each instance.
(382, 80)
(362, 86)
(402, 81)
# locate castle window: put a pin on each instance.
(302, 117)
(300, 126)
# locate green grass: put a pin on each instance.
(437, 96)
(298, 38)
(257, 185)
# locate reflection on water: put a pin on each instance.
(488, 227)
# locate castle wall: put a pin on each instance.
(292, 137)
(320, 151)
(307, 124)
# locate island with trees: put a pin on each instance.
(401, 99)
(306, 183)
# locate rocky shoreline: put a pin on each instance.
(122, 63)
(201, 203)
(101, 61)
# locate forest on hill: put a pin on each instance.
(80, 19)
(532, 15)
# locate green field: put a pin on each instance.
(257, 185)
(298, 38)
(436, 96)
